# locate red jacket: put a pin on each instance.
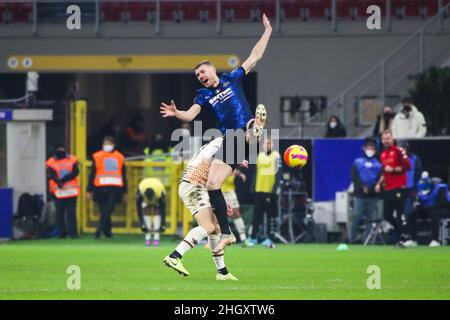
(394, 157)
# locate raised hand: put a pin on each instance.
(168, 110)
(266, 22)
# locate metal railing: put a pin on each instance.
(96, 12)
(428, 46)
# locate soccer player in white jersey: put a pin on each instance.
(192, 190)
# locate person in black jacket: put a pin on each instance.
(335, 128)
(384, 121)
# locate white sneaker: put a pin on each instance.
(434, 243)
(410, 243)
(228, 276)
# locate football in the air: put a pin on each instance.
(295, 156)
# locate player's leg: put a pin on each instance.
(219, 257)
(197, 201)
(232, 200)
(147, 221)
(193, 237)
(239, 224)
(218, 173)
(156, 227)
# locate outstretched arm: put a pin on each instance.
(170, 110)
(259, 48)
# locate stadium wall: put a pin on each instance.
(305, 59)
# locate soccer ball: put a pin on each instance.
(295, 156)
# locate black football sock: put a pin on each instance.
(223, 271)
(175, 255)
(220, 210)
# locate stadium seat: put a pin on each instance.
(142, 11)
(232, 10)
(170, 11)
(430, 7)
(405, 8)
(290, 9)
(198, 10)
(316, 9)
(2, 12)
(344, 8)
(363, 5)
(268, 7)
(113, 11)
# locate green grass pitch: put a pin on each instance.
(123, 268)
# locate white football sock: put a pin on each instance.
(156, 226)
(240, 226)
(193, 237)
(148, 235)
(219, 260)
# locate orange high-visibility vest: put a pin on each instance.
(62, 167)
(109, 166)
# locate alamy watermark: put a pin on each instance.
(73, 281)
(238, 145)
(374, 280)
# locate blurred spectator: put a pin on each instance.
(107, 183)
(268, 177)
(366, 172)
(62, 173)
(395, 164)
(159, 153)
(412, 178)
(433, 201)
(186, 129)
(384, 121)
(409, 122)
(133, 139)
(335, 128)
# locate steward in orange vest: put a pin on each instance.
(107, 183)
(62, 172)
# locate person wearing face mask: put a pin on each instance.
(335, 128)
(433, 201)
(409, 122)
(62, 173)
(107, 183)
(366, 171)
(384, 121)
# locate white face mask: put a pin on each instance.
(333, 125)
(369, 153)
(108, 147)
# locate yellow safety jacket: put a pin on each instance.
(266, 169)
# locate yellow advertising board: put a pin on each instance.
(117, 63)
